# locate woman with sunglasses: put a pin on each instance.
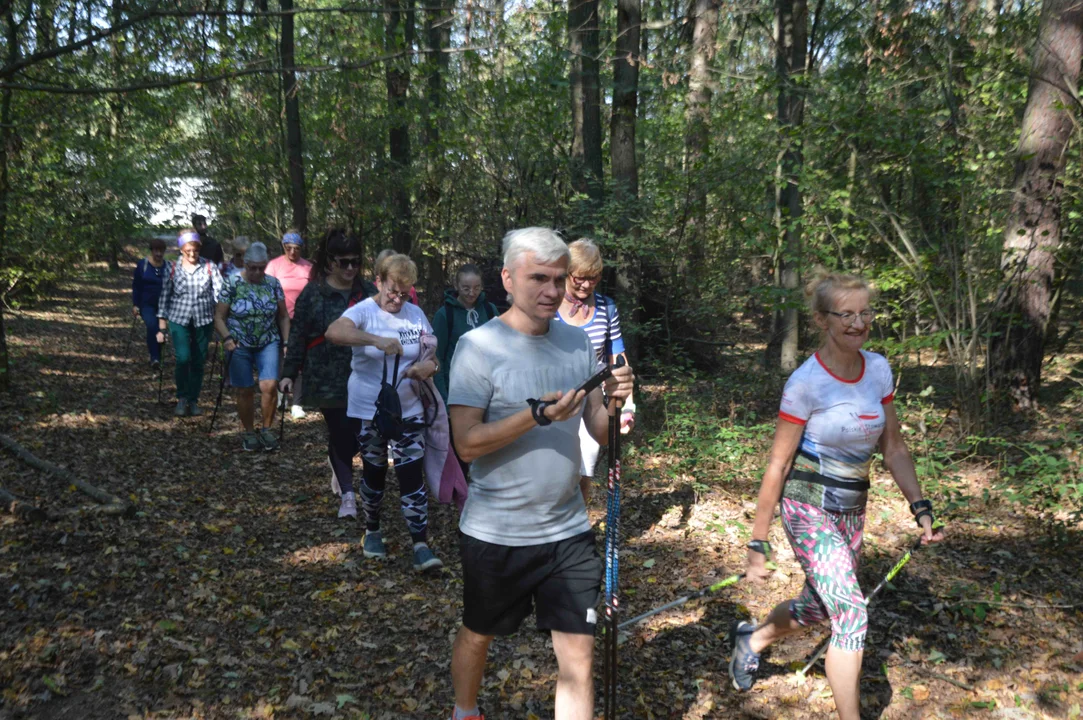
(837, 410)
(385, 332)
(336, 285)
(597, 315)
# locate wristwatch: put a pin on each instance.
(537, 409)
(762, 547)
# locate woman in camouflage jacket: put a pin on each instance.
(336, 285)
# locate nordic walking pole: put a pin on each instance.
(221, 387)
(612, 566)
(161, 368)
(822, 650)
(282, 417)
(731, 580)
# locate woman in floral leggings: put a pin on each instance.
(837, 409)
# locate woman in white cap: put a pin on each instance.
(186, 311)
(251, 318)
(294, 272)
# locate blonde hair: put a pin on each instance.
(398, 269)
(379, 261)
(586, 259)
(821, 288)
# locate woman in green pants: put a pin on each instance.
(186, 310)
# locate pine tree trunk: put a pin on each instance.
(791, 33)
(586, 99)
(11, 32)
(438, 21)
(298, 200)
(622, 153)
(697, 127)
(398, 37)
(1033, 233)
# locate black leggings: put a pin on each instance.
(342, 446)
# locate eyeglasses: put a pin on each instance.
(392, 295)
(868, 317)
(579, 280)
(347, 262)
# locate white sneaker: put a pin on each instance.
(348, 506)
(297, 412)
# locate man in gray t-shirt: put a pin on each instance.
(526, 540)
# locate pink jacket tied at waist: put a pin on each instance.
(445, 477)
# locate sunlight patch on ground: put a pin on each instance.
(325, 554)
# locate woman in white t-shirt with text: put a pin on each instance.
(378, 329)
(837, 410)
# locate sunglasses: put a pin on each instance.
(579, 280)
(347, 262)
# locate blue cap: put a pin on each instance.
(292, 238)
(188, 237)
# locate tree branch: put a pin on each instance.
(168, 82)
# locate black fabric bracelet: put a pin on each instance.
(763, 547)
(922, 513)
(920, 505)
(537, 410)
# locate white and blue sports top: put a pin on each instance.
(605, 321)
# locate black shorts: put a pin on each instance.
(560, 580)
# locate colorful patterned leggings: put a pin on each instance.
(408, 454)
(828, 546)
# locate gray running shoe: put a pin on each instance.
(193, 409)
(268, 439)
(373, 546)
(425, 559)
(250, 442)
(348, 506)
(182, 408)
(743, 662)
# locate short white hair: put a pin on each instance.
(546, 245)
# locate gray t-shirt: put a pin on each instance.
(527, 492)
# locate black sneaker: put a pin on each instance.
(743, 662)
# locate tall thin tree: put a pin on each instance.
(1032, 236)
(398, 39)
(622, 147)
(586, 100)
(294, 150)
(11, 35)
(791, 53)
(697, 134)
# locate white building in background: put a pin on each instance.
(189, 196)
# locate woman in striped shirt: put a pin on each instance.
(597, 315)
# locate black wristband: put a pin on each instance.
(763, 547)
(922, 513)
(537, 409)
(920, 505)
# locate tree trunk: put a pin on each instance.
(586, 99)
(1032, 236)
(622, 152)
(438, 37)
(298, 200)
(398, 38)
(697, 138)
(11, 32)
(791, 50)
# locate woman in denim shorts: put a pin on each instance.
(251, 317)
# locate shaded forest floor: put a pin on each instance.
(235, 592)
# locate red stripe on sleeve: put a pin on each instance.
(791, 418)
(889, 398)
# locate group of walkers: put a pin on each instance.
(529, 439)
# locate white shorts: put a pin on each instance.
(589, 450)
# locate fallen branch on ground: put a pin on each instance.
(110, 504)
(20, 508)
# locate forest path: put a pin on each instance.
(236, 592)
